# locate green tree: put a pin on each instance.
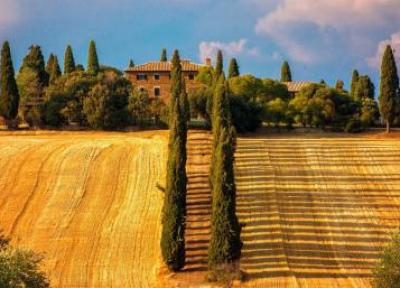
(387, 273)
(286, 74)
(53, 68)
(163, 57)
(9, 95)
(354, 80)
(225, 244)
(389, 87)
(93, 66)
(131, 63)
(34, 60)
(20, 268)
(339, 84)
(219, 66)
(233, 68)
(69, 62)
(139, 106)
(174, 209)
(364, 89)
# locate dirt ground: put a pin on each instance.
(317, 207)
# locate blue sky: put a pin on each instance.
(320, 38)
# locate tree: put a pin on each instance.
(163, 57)
(69, 62)
(387, 273)
(9, 100)
(19, 267)
(34, 60)
(233, 68)
(174, 209)
(225, 244)
(139, 106)
(131, 63)
(53, 68)
(354, 80)
(93, 66)
(389, 86)
(339, 84)
(364, 89)
(219, 66)
(286, 74)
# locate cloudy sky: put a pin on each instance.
(320, 38)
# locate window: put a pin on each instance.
(191, 76)
(156, 76)
(157, 91)
(141, 77)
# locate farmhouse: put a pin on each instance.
(295, 87)
(155, 77)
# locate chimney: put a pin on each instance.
(208, 61)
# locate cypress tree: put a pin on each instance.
(131, 63)
(364, 89)
(69, 62)
(339, 84)
(174, 209)
(218, 71)
(93, 66)
(233, 68)
(286, 74)
(163, 57)
(34, 60)
(354, 80)
(219, 66)
(53, 68)
(9, 100)
(389, 87)
(225, 244)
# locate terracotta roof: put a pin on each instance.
(164, 67)
(296, 86)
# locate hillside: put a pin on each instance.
(316, 211)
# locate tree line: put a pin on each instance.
(225, 244)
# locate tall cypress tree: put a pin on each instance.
(163, 57)
(354, 80)
(174, 210)
(9, 100)
(131, 63)
(93, 66)
(225, 244)
(389, 87)
(34, 60)
(218, 71)
(286, 74)
(364, 89)
(233, 68)
(50, 63)
(69, 62)
(219, 66)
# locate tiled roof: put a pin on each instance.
(164, 67)
(296, 86)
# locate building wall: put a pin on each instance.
(163, 83)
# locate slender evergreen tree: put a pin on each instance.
(218, 72)
(69, 62)
(233, 68)
(225, 244)
(50, 63)
(53, 68)
(286, 74)
(389, 87)
(93, 66)
(174, 209)
(364, 89)
(354, 80)
(339, 84)
(34, 60)
(131, 63)
(219, 66)
(9, 99)
(163, 57)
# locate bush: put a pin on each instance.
(387, 273)
(353, 126)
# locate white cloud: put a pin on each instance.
(394, 41)
(234, 48)
(9, 13)
(322, 20)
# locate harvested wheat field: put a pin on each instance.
(89, 201)
(317, 212)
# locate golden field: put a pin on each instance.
(316, 211)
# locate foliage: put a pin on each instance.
(387, 273)
(9, 100)
(286, 74)
(276, 111)
(246, 115)
(389, 87)
(354, 80)
(34, 60)
(93, 66)
(53, 68)
(174, 210)
(198, 102)
(131, 63)
(163, 57)
(339, 85)
(139, 106)
(69, 62)
(364, 89)
(233, 69)
(19, 267)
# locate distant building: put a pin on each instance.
(295, 87)
(155, 77)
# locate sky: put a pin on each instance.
(321, 39)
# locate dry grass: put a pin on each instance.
(89, 200)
